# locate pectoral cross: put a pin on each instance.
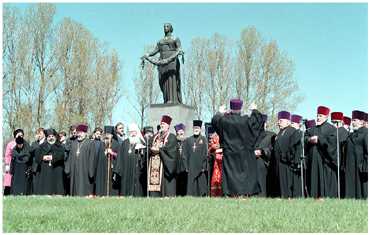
(194, 146)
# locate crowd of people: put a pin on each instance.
(235, 156)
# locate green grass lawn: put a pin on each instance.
(71, 214)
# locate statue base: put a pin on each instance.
(180, 113)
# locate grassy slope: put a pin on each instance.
(56, 214)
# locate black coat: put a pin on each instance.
(238, 135)
(356, 170)
(50, 175)
(20, 168)
(323, 156)
(195, 151)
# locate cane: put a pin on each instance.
(147, 166)
(338, 167)
(302, 157)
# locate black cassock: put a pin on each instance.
(356, 173)
(101, 170)
(50, 174)
(265, 144)
(195, 151)
(20, 168)
(80, 167)
(238, 136)
(169, 157)
(285, 147)
(323, 157)
(131, 166)
(182, 171)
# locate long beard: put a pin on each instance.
(134, 140)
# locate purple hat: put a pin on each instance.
(82, 127)
(356, 114)
(296, 118)
(236, 104)
(284, 115)
(310, 123)
(179, 126)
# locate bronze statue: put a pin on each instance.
(168, 64)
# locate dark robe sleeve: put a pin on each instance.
(256, 123)
(327, 144)
(92, 156)
(58, 154)
(169, 155)
(217, 123)
(118, 167)
(364, 162)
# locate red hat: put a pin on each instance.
(347, 121)
(337, 116)
(166, 119)
(82, 127)
(356, 114)
(323, 110)
(296, 118)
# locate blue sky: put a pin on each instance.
(328, 42)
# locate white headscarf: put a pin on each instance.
(134, 127)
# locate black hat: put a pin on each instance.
(148, 129)
(197, 123)
(211, 130)
(18, 131)
(109, 129)
(51, 131)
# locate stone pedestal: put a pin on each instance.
(179, 113)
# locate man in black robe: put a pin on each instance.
(104, 161)
(163, 161)
(347, 123)
(238, 135)
(263, 150)
(50, 158)
(20, 166)
(195, 152)
(356, 169)
(80, 164)
(337, 120)
(182, 169)
(321, 145)
(131, 163)
(39, 140)
(72, 137)
(309, 124)
(299, 164)
(284, 151)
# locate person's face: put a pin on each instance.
(41, 135)
(74, 133)
(132, 133)
(62, 138)
(167, 28)
(321, 119)
(164, 126)
(196, 130)
(148, 134)
(81, 135)
(51, 139)
(19, 134)
(120, 130)
(356, 123)
(296, 125)
(180, 135)
(282, 123)
(97, 135)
